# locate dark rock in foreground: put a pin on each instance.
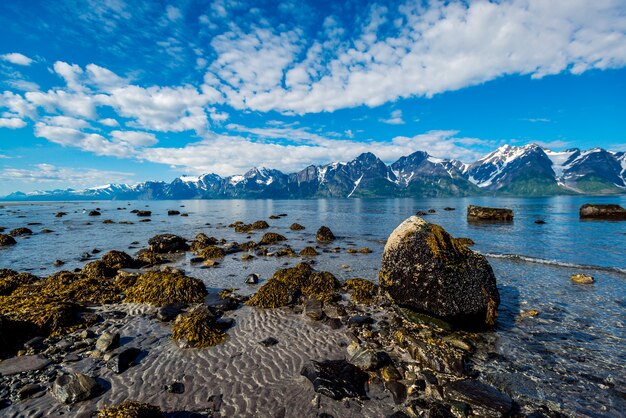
(426, 269)
(611, 212)
(6, 240)
(336, 379)
(479, 213)
(15, 365)
(76, 387)
(485, 400)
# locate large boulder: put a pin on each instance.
(480, 213)
(426, 269)
(76, 387)
(612, 212)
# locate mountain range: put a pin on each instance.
(529, 170)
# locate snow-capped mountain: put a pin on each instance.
(529, 170)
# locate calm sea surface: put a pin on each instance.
(572, 356)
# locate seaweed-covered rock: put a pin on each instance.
(324, 235)
(582, 278)
(116, 260)
(144, 213)
(283, 288)
(94, 213)
(321, 285)
(244, 228)
(309, 252)
(168, 243)
(468, 242)
(173, 212)
(18, 232)
(6, 240)
(610, 212)
(425, 268)
(76, 387)
(336, 379)
(479, 213)
(271, 238)
(160, 288)
(211, 251)
(11, 280)
(361, 290)
(131, 409)
(197, 329)
(149, 257)
(296, 227)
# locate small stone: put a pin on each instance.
(313, 309)
(360, 320)
(485, 400)
(252, 279)
(94, 213)
(176, 387)
(58, 263)
(108, 341)
(529, 313)
(169, 312)
(121, 359)
(582, 278)
(72, 388)
(336, 379)
(15, 365)
(173, 212)
(268, 342)
(29, 390)
(398, 391)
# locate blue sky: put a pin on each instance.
(93, 92)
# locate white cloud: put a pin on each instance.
(66, 122)
(16, 58)
(90, 142)
(134, 138)
(12, 123)
(173, 13)
(71, 73)
(64, 176)
(227, 155)
(109, 122)
(395, 118)
(441, 46)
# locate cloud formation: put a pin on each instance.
(16, 58)
(48, 173)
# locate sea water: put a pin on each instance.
(571, 357)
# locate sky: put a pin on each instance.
(107, 91)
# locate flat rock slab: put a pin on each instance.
(336, 379)
(485, 400)
(15, 365)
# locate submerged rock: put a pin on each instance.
(18, 232)
(6, 240)
(296, 227)
(485, 400)
(94, 213)
(426, 269)
(336, 379)
(144, 213)
(582, 278)
(324, 235)
(479, 213)
(173, 212)
(72, 388)
(610, 212)
(268, 342)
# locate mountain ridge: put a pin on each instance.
(529, 170)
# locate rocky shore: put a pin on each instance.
(132, 336)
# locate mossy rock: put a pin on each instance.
(6, 240)
(97, 269)
(168, 243)
(159, 288)
(197, 329)
(271, 238)
(149, 257)
(131, 409)
(362, 291)
(17, 232)
(116, 260)
(259, 225)
(365, 250)
(324, 235)
(212, 252)
(247, 246)
(351, 251)
(322, 286)
(468, 242)
(286, 286)
(309, 252)
(285, 252)
(296, 227)
(11, 280)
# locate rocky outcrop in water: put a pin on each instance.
(426, 269)
(168, 243)
(324, 235)
(610, 212)
(479, 213)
